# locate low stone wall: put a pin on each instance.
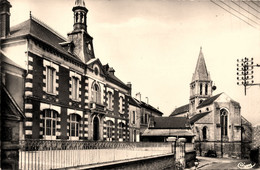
(156, 162)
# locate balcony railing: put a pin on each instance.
(97, 107)
(47, 154)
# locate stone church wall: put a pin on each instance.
(229, 149)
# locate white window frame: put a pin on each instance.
(53, 124)
(76, 124)
(50, 80)
(109, 100)
(120, 131)
(109, 130)
(96, 94)
(75, 88)
(121, 104)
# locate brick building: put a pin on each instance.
(69, 93)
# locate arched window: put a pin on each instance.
(204, 133)
(74, 122)
(96, 96)
(206, 89)
(200, 88)
(49, 124)
(224, 122)
(109, 96)
(109, 130)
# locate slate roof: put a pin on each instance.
(133, 101)
(42, 32)
(170, 123)
(148, 106)
(209, 101)
(180, 110)
(198, 117)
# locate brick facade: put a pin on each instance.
(66, 94)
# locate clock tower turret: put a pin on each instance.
(82, 41)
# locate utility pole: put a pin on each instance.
(245, 71)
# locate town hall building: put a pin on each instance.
(68, 93)
(215, 119)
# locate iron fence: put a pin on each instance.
(54, 154)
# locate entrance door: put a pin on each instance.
(95, 129)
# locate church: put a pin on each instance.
(216, 120)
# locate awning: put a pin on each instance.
(167, 132)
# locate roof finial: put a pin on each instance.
(30, 14)
(200, 48)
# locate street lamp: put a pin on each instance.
(245, 71)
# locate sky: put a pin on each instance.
(155, 44)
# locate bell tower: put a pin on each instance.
(80, 16)
(82, 41)
(201, 84)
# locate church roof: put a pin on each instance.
(209, 101)
(201, 72)
(180, 110)
(170, 123)
(197, 117)
(37, 29)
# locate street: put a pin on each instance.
(224, 163)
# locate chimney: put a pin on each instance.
(111, 70)
(4, 18)
(138, 96)
(147, 100)
(130, 88)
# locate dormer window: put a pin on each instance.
(96, 70)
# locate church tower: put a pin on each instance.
(201, 84)
(81, 41)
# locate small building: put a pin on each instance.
(134, 121)
(161, 128)
(12, 112)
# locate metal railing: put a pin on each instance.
(48, 154)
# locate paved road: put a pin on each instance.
(223, 163)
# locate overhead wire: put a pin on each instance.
(253, 3)
(240, 13)
(234, 14)
(245, 10)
